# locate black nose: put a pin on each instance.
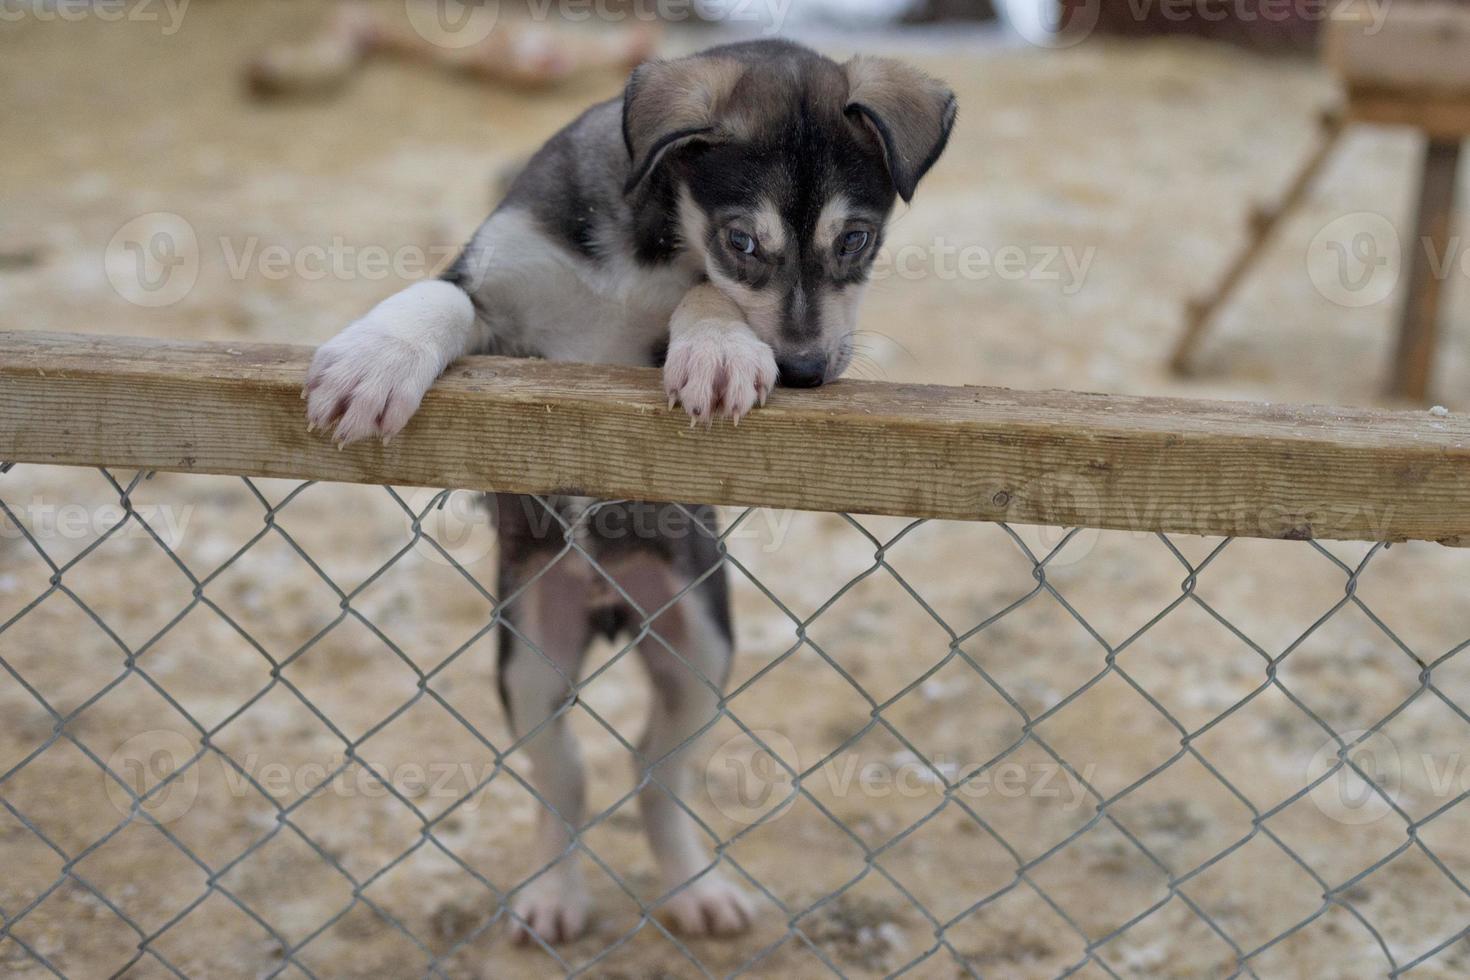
(803, 372)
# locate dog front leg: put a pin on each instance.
(370, 378)
(716, 365)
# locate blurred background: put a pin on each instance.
(1101, 178)
(267, 170)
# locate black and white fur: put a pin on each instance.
(720, 219)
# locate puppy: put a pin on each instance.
(720, 220)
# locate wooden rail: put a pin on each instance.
(1404, 65)
(1418, 47)
(1057, 458)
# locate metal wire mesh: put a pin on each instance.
(792, 923)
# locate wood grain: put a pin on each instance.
(1057, 458)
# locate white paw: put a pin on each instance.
(554, 907)
(710, 906)
(368, 383)
(716, 368)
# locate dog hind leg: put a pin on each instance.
(685, 700)
(540, 660)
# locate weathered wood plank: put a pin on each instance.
(1438, 117)
(1056, 458)
(1421, 48)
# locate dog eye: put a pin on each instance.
(853, 242)
(741, 242)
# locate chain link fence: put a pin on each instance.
(1016, 752)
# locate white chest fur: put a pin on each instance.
(566, 307)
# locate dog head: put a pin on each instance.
(783, 167)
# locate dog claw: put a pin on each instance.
(709, 907)
(717, 370)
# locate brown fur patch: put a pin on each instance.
(911, 112)
(668, 101)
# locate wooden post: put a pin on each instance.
(1200, 313)
(1426, 256)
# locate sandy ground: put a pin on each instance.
(1147, 158)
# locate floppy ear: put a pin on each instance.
(668, 103)
(912, 114)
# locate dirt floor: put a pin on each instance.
(1140, 161)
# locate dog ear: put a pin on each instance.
(911, 113)
(668, 103)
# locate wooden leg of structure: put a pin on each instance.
(1264, 222)
(1427, 255)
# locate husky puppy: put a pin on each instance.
(720, 220)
